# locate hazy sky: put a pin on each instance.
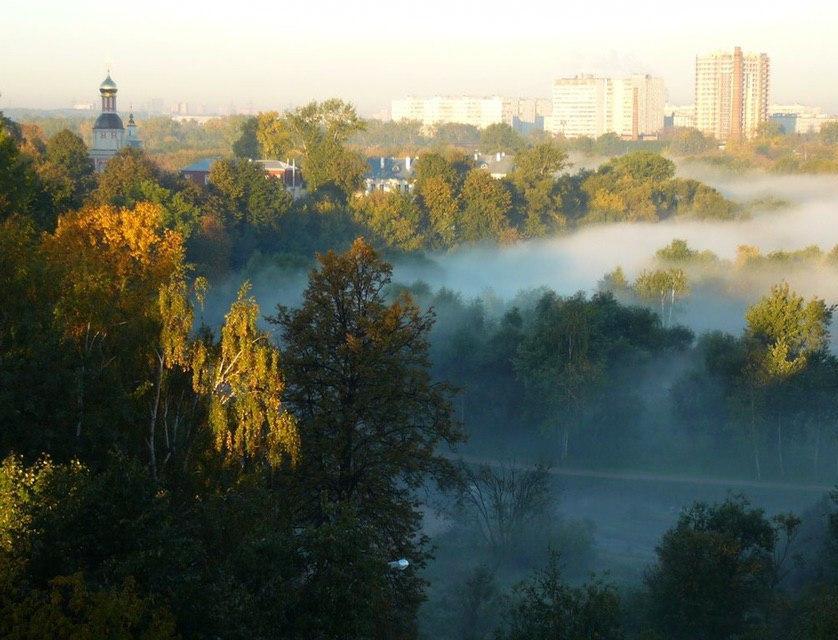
(278, 54)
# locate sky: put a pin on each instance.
(275, 55)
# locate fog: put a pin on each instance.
(578, 261)
(599, 523)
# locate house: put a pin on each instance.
(389, 174)
(289, 173)
(499, 165)
(198, 172)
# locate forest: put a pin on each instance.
(227, 413)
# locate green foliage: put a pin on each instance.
(249, 197)
(546, 608)
(67, 171)
(394, 217)
(126, 179)
(247, 144)
(19, 184)
(715, 573)
(69, 610)
(501, 137)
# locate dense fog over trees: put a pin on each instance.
(589, 398)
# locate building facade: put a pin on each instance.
(476, 111)
(591, 106)
(109, 134)
(731, 94)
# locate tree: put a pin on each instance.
(245, 385)
(504, 502)
(664, 285)
(716, 571)
(247, 144)
(251, 198)
(783, 333)
(545, 608)
(123, 183)
(500, 137)
(70, 610)
(273, 135)
(109, 265)
(535, 174)
(392, 216)
(643, 165)
(829, 133)
(19, 185)
(67, 171)
(486, 205)
(689, 141)
(559, 363)
(369, 415)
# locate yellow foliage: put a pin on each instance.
(246, 386)
(110, 264)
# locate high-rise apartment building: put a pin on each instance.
(479, 112)
(523, 114)
(731, 94)
(631, 107)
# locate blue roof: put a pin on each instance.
(392, 169)
(203, 164)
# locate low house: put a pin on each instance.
(389, 174)
(198, 172)
(499, 165)
(289, 173)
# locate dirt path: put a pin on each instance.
(649, 477)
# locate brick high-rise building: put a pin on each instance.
(731, 94)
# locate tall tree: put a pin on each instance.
(783, 333)
(535, 174)
(716, 572)
(67, 171)
(370, 417)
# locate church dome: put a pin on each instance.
(108, 121)
(107, 85)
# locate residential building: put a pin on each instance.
(679, 116)
(586, 105)
(288, 172)
(526, 114)
(731, 94)
(109, 134)
(798, 118)
(499, 165)
(389, 174)
(198, 172)
(478, 112)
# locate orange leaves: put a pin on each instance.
(111, 264)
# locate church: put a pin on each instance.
(109, 135)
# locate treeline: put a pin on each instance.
(242, 212)
(608, 385)
(724, 570)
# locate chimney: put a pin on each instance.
(497, 157)
(737, 98)
(407, 162)
(382, 163)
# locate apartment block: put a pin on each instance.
(731, 94)
(586, 105)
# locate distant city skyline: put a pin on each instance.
(54, 54)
